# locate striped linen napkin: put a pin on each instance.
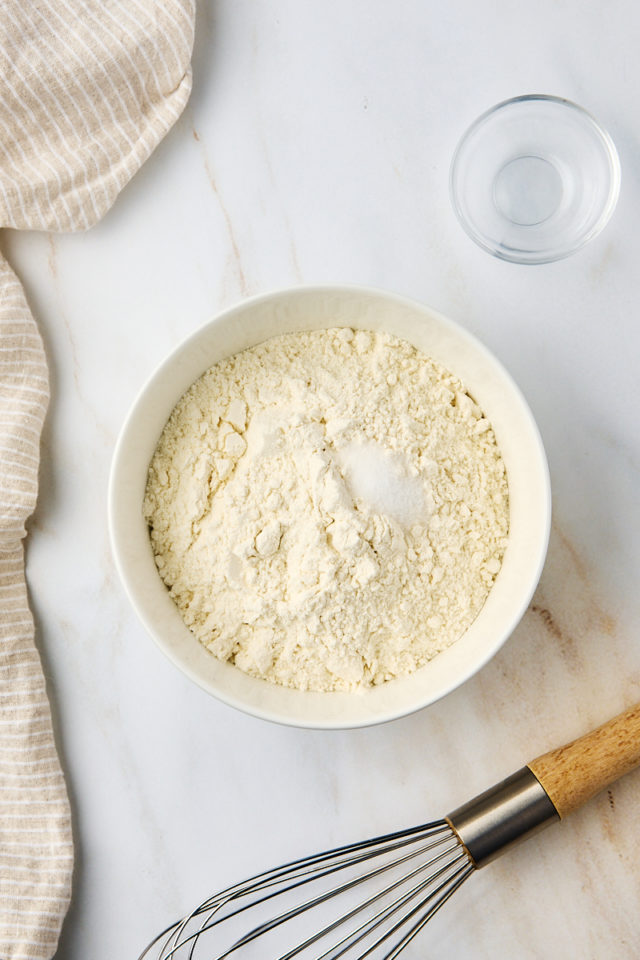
(90, 87)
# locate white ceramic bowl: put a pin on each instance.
(308, 308)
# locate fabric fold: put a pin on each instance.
(36, 851)
(89, 90)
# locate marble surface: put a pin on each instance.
(316, 147)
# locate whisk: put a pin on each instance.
(370, 899)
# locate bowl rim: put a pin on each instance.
(560, 253)
(118, 465)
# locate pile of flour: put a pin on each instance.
(328, 509)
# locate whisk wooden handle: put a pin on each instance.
(573, 774)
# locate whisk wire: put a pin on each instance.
(372, 923)
(334, 892)
(302, 872)
(434, 841)
(297, 867)
(460, 877)
(369, 925)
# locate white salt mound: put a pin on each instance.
(381, 480)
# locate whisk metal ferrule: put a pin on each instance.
(509, 812)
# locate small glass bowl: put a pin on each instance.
(534, 179)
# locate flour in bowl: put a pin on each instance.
(328, 509)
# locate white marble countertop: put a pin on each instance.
(316, 147)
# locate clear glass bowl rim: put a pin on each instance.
(551, 255)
